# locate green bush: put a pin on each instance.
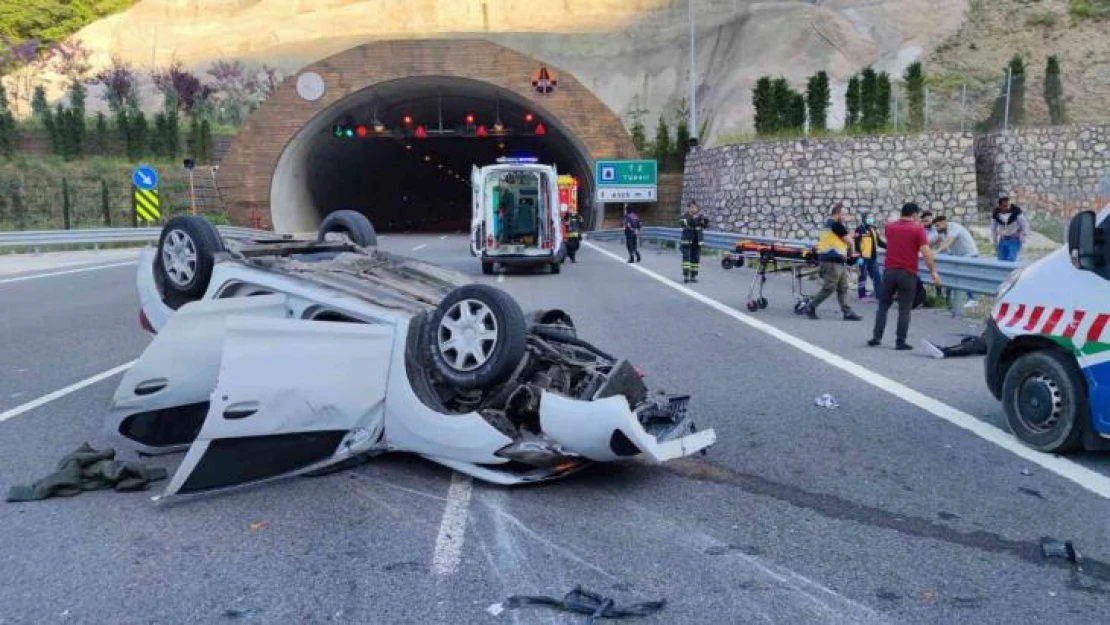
(1084, 9)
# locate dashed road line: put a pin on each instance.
(66, 272)
(500, 278)
(420, 247)
(452, 529)
(62, 392)
(1092, 481)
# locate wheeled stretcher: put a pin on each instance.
(801, 260)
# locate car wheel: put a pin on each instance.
(553, 322)
(487, 269)
(1045, 401)
(476, 336)
(555, 267)
(351, 223)
(186, 251)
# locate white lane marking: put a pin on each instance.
(443, 237)
(1086, 478)
(66, 272)
(452, 529)
(500, 278)
(420, 247)
(62, 392)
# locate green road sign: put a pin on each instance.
(625, 174)
(628, 181)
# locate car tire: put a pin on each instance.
(552, 322)
(351, 223)
(487, 269)
(482, 363)
(185, 257)
(1045, 400)
(555, 267)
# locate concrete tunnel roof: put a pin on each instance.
(266, 163)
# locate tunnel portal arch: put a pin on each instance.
(285, 149)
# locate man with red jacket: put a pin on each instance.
(905, 239)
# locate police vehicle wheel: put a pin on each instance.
(476, 336)
(1045, 401)
(351, 223)
(762, 302)
(185, 257)
(726, 263)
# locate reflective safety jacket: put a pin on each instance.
(831, 244)
(574, 226)
(693, 230)
(869, 242)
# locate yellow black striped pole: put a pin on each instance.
(147, 204)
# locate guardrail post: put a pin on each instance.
(65, 204)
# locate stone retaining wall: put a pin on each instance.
(786, 188)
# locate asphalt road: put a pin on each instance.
(878, 511)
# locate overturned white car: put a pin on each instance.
(281, 357)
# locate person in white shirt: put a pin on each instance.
(955, 240)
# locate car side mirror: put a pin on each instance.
(1081, 241)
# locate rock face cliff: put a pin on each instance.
(632, 53)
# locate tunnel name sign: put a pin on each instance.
(626, 181)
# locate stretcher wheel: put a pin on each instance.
(799, 307)
(762, 302)
(726, 263)
(752, 305)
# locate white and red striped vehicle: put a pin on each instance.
(1048, 343)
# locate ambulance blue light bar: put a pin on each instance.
(518, 159)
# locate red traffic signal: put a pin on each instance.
(361, 131)
(540, 129)
(482, 131)
(407, 120)
(470, 120)
(421, 133)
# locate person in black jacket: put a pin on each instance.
(693, 226)
(574, 235)
(632, 227)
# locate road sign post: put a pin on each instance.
(626, 181)
(145, 201)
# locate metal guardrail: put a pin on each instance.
(977, 275)
(97, 236)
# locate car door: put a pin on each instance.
(477, 213)
(293, 396)
(162, 399)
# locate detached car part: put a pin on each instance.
(278, 357)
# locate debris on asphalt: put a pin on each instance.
(826, 401)
(88, 469)
(256, 525)
(496, 609)
(1052, 548)
(1026, 472)
(589, 603)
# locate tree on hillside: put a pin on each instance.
(119, 81)
(782, 97)
(852, 103)
(54, 20)
(185, 85)
(882, 101)
(869, 91)
(70, 59)
(39, 106)
(797, 113)
(1017, 91)
(915, 94)
(1054, 91)
(661, 148)
(637, 130)
(818, 100)
(762, 100)
(7, 125)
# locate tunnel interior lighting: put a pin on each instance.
(427, 158)
(518, 159)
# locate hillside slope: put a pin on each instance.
(626, 50)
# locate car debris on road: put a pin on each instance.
(282, 357)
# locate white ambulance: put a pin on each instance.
(1048, 343)
(515, 216)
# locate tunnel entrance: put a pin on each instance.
(402, 152)
(287, 167)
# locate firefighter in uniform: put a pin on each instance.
(693, 230)
(574, 235)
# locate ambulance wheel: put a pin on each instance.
(487, 269)
(753, 305)
(762, 302)
(726, 263)
(1045, 401)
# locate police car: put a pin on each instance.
(1048, 343)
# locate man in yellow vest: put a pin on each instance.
(833, 253)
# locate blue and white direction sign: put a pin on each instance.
(145, 178)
